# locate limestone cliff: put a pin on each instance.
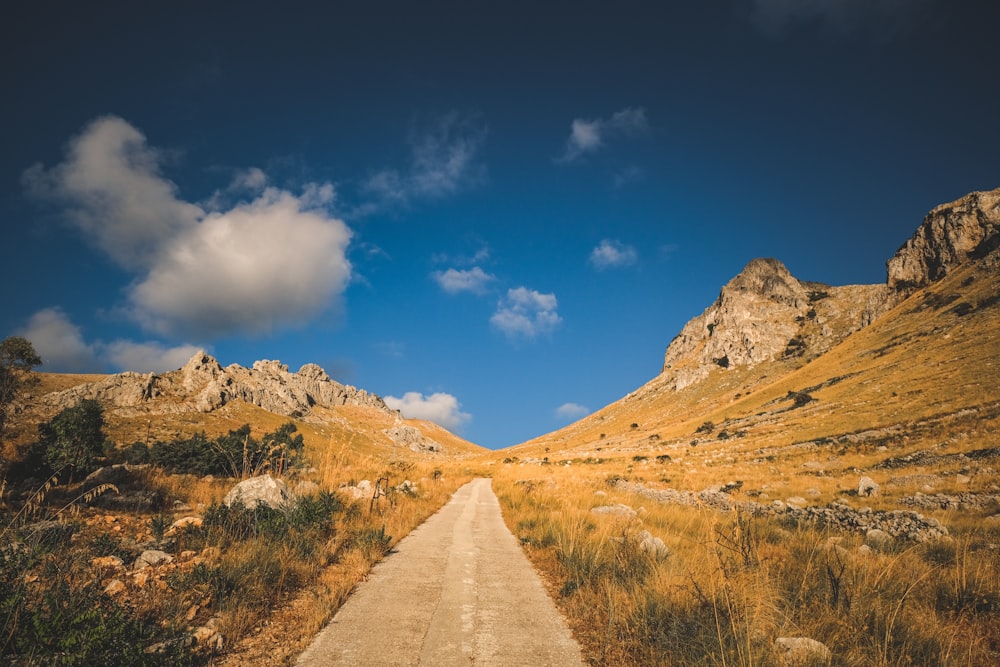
(203, 385)
(967, 228)
(765, 313)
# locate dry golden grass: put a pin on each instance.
(731, 585)
(911, 401)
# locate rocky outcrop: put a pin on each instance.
(953, 233)
(263, 490)
(765, 313)
(409, 436)
(203, 385)
(897, 524)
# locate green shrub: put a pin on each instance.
(74, 439)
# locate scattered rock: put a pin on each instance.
(898, 524)
(151, 558)
(362, 489)
(411, 437)
(867, 487)
(108, 563)
(407, 487)
(802, 652)
(255, 491)
(796, 501)
(183, 523)
(879, 540)
(615, 510)
(114, 587)
(652, 545)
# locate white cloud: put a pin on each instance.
(252, 179)
(441, 408)
(571, 411)
(62, 347)
(526, 313)
(472, 280)
(258, 267)
(610, 254)
(588, 136)
(112, 186)
(276, 261)
(60, 343)
(148, 357)
(444, 160)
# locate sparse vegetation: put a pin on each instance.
(80, 601)
(733, 583)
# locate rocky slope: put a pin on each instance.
(773, 350)
(205, 395)
(766, 314)
(203, 385)
(967, 228)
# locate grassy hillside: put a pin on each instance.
(736, 519)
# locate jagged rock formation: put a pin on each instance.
(765, 313)
(410, 436)
(967, 228)
(203, 385)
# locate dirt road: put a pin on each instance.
(456, 591)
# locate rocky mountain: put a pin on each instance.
(203, 385)
(773, 352)
(766, 314)
(204, 395)
(967, 228)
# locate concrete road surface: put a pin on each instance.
(456, 591)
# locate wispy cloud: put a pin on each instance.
(390, 348)
(473, 280)
(630, 174)
(275, 261)
(441, 408)
(444, 160)
(571, 411)
(526, 313)
(589, 136)
(612, 254)
(63, 349)
(775, 16)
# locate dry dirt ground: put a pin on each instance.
(456, 591)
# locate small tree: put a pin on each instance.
(74, 438)
(17, 360)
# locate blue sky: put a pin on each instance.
(496, 215)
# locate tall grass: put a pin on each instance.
(732, 584)
(242, 573)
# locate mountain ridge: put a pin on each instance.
(766, 326)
